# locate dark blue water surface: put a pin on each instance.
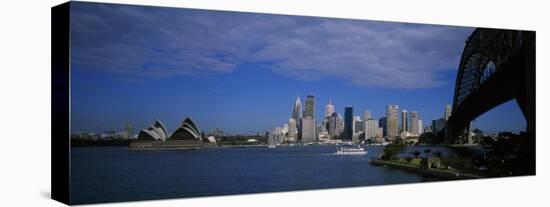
(110, 174)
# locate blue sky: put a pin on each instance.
(242, 71)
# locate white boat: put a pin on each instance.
(351, 150)
(271, 146)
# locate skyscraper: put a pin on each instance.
(285, 129)
(348, 123)
(333, 126)
(309, 110)
(414, 122)
(379, 134)
(366, 115)
(297, 109)
(438, 125)
(391, 121)
(358, 124)
(329, 109)
(307, 123)
(292, 130)
(276, 136)
(404, 121)
(448, 110)
(358, 128)
(340, 124)
(382, 124)
(371, 126)
(420, 127)
(308, 130)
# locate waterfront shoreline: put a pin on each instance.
(440, 173)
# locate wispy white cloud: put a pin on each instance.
(154, 42)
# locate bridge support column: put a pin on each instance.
(525, 94)
(469, 134)
(458, 133)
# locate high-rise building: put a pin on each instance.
(292, 134)
(336, 126)
(325, 123)
(285, 129)
(358, 128)
(308, 130)
(309, 110)
(438, 125)
(371, 126)
(367, 115)
(382, 124)
(341, 124)
(404, 121)
(358, 125)
(329, 109)
(348, 123)
(391, 121)
(317, 130)
(279, 135)
(333, 126)
(448, 110)
(275, 137)
(297, 116)
(297, 109)
(414, 122)
(379, 134)
(420, 127)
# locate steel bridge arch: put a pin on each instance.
(478, 88)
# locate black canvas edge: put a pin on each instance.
(60, 103)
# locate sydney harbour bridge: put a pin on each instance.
(496, 66)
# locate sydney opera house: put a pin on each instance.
(187, 136)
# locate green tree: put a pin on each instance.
(427, 152)
(409, 159)
(416, 153)
(432, 138)
(391, 151)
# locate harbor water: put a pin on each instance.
(110, 174)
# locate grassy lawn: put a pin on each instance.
(414, 161)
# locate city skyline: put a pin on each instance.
(320, 115)
(245, 80)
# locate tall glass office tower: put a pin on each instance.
(348, 123)
(391, 121)
(297, 109)
(310, 106)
